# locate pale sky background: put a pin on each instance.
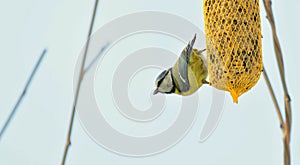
(247, 134)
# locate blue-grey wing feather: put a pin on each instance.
(183, 63)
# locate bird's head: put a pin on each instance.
(164, 83)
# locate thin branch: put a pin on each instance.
(68, 142)
(96, 58)
(21, 97)
(279, 57)
(281, 122)
(287, 100)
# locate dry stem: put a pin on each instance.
(68, 141)
(12, 113)
(286, 125)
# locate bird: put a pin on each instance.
(187, 75)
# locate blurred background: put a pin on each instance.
(248, 132)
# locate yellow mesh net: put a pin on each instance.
(233, 43)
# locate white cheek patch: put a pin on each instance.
(167, 84)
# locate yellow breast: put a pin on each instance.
(197, 72)
(233, 44)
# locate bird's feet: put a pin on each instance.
(205, 82)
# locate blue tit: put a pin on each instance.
(187, 75)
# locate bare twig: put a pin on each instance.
(68, 142)
(281, 122)
(11, 115)
(96, 58)
(286, 129)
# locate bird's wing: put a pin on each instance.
(190, 49)
(183, 63)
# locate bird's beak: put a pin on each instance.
(155, 91)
